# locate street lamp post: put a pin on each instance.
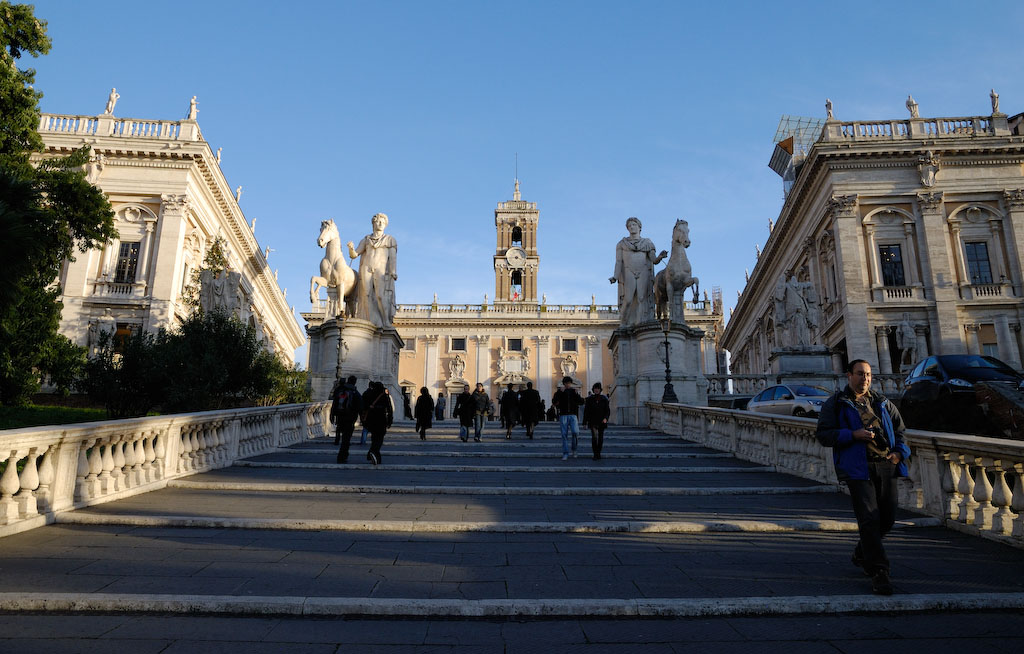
(669, 396)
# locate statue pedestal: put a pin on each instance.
(809, 364)
(350, 346)
(638, 359)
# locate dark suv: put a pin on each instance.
(940, 392)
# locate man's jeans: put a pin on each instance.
(463, 432)
(874, 504)
(478, 424)
(569, 424)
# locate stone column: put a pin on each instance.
(882, 343)
(852, 280)
(431, 361)
(973, 342)
(1014, 201)
(142, 273)
(873, 253)
(958, 254)
(908, 237)
(937, 262)
(999, 267)
(168, 258)
(544, 368)
(595, 363)
(922, 341)
(1008, 351)
(483, 359)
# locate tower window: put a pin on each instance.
(516, 291)
(517, 236)
(569, 345)
(458, 344)
(978, 266)
(515, 345)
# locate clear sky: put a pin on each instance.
(660, 110)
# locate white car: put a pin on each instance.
(790, 400)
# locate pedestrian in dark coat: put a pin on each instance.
(510, 410)
(345, 408)
(531, 408)
(595, 414)
(440, 406)
(377, 417)
(424, 412)
(465, 410)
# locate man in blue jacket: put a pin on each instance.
(865, 432)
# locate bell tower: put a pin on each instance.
(515, 257)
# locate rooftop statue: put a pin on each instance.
(912, 107)
(634, 272)
(111, 101)
(378, 271)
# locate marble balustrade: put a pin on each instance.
(975, 484)
(47, 470)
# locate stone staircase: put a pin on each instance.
(290, 549)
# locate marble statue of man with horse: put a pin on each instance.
(671, 283)
(335, 275)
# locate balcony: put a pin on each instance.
(115, 290)
(897, 294)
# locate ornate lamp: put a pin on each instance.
(669, 396)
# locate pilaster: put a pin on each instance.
(853, 282)
(938, 262)
(1014, 201)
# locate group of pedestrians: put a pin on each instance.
(372, 408)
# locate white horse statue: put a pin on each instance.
(671, 281)
(335, 274)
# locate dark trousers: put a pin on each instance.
(874, 504)
(376, 441)
(529, 428)
(344, 434)
(597, 438)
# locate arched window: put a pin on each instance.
(516, 291)
(517, 236)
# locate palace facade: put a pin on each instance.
(171, 201)
(911, 234)
(519, 337)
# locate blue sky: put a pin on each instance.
(661, 110)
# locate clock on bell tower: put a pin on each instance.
(515, 257)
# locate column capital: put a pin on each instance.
(543, 339)
(971, 327)
(843, 206)
(174, 203)
(431, 339)
(882, 330)
(931, 201)
(1014, 199)
(482, 337)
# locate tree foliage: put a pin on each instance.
(216, 261)
(47, 211)
(212, 362)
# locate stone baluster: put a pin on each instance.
(159, 445)
(139, 475)
(951, 474)
(9, 485)
(117, 471)
(185, 455)
(1002, 498)
(26, 498)
(106, 479)
(983, 512)
(130, 472)
(965, 512)
(1017, 503)
(44, 494)
(92, 480)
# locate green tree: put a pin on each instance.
(216, 261)
(46, 213)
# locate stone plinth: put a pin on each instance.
(810, 365)
(638, 357)
(350, 346)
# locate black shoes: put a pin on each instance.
(880, 584)
(373, 458)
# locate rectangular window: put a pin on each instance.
(127, 260)
(410, 344)
(458, 344)
(892, 265)
(568, 344)
(977, 263)
(515, 345)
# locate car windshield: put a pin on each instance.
(812, 391)
(977, 368)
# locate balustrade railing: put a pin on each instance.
(975, 484)
(888, 384)
(47, 470)
(106, 125)
(894, 130)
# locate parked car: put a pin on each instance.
(939, 393)
(790, 400)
